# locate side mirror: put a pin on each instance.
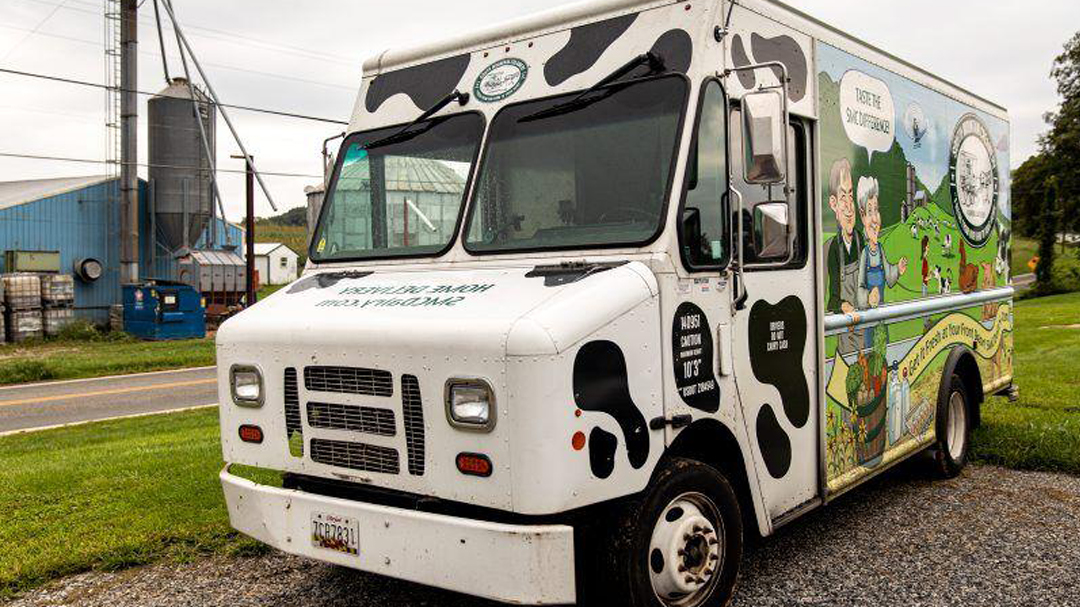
(691, 230)
(764, 131)
(772, 230)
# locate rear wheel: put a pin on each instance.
(679, 545)
(953, 429)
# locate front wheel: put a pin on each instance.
(679, 545)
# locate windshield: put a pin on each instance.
(594, 172)
(401, 198)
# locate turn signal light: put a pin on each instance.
(251, 434)
(474, 464)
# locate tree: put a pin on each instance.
(1029, 194)
(1048, 226)
(1061, 145)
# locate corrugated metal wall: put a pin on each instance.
(86, 223)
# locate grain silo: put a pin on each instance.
(180, 170)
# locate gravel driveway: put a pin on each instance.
(992, 537)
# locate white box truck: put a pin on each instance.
(597, 293)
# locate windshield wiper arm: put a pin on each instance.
(403, 134)
(654, 61)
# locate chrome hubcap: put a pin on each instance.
(956, 437)
(686, 551)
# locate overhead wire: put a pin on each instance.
(216, 65)
(33, 31)
(245, 108)
(222, 35)
(150, 165)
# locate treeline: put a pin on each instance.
(292, 217)
(1052, 177)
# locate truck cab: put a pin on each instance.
(565, 332)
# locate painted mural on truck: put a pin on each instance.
(915, 205)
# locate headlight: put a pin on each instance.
(247, 386)
(470, 404)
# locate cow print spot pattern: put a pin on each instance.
(774, 442)
(325, 280)
(601, 384)
(602, 446)
(425, 84)
(676, 48)
(587, 43)
(781, 48)
(781, 367)
(777, 335)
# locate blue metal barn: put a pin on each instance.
(80, 218)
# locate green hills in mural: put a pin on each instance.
(890, 167)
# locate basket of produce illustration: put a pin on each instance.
(867, 389)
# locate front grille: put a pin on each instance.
(294, 430)
(356, 456)
(349, 380)
(412, 410)
(370, 420)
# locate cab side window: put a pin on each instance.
(703, 230)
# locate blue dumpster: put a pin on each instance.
(162, 310)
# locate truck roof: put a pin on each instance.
(568, 15)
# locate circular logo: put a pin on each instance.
(973, 179)
(500, 80)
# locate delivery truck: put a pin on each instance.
(598, 294)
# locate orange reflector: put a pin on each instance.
(251, 434)
(578, 441)
(474, 464)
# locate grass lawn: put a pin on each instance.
(1042, 431)
(1023, 249)
(70, 359)
(111, 495)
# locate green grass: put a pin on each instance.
(76, 358)
(112, 495)
(1042, 430)
(1023, 249)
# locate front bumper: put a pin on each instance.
(532, 564)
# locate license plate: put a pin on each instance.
(337, 533)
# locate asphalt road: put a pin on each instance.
(991, 537)
(31, 406)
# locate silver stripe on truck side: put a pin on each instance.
(835, 323)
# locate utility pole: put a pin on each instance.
(129, 134)
(249, 227)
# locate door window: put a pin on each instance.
(703, 226)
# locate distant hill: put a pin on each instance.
(292, 217)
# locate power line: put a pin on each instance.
(149, 94)
(226, 36)
(219, 66)
(148, 165)
(33, 31)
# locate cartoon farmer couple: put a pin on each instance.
(857, 265)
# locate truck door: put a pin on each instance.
(775, 330)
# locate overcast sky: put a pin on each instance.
(306, 58)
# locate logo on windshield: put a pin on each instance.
(500, 80)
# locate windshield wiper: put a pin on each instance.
(404, 134)
(654, 61)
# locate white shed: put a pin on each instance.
(275, 263)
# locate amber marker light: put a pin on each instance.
(474, 464)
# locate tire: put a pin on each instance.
(953, 429)
(690, 515)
